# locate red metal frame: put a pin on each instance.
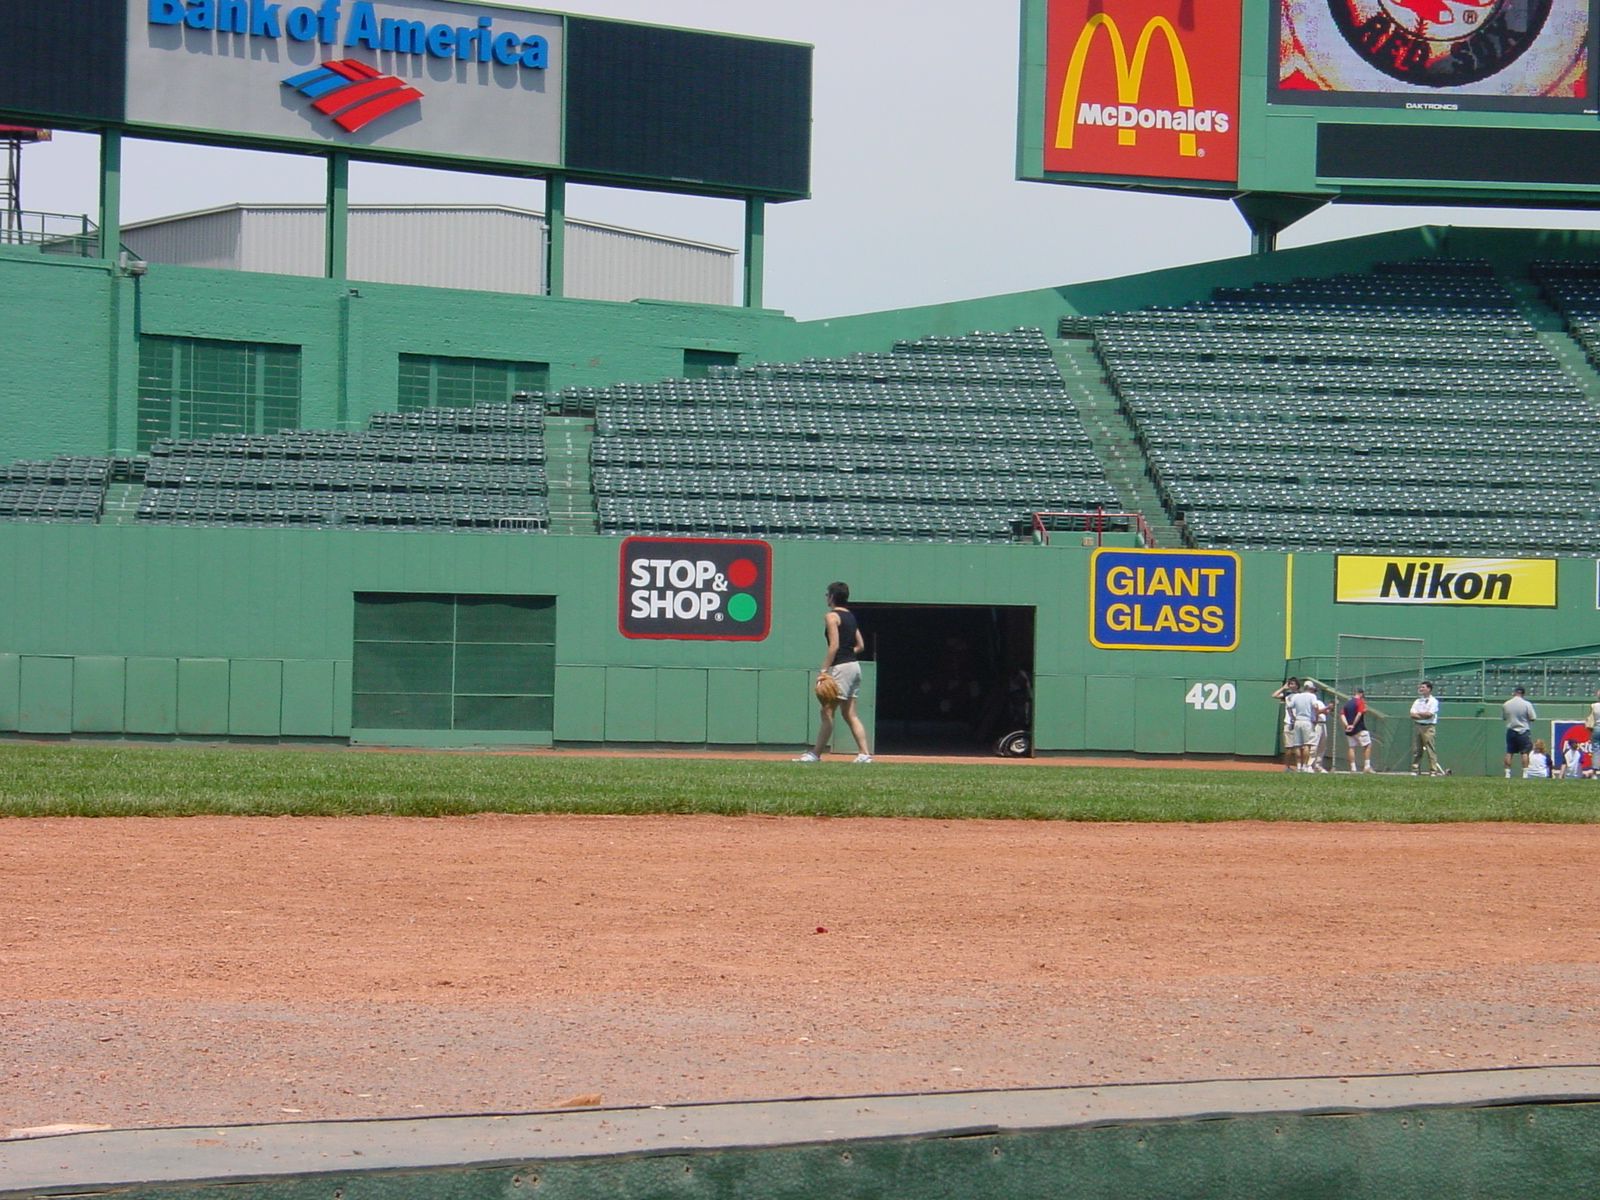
(1094, 521)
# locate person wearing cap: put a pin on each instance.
(1303, 707)
(1519, 717)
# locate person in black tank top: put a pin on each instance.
(842, 661)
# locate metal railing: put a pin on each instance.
(1096, 522)
(73, 235)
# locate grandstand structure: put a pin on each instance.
(1420, 404)
(1414, 406)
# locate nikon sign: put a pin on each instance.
(1143, 88)
(1438, 582)
(695, 589)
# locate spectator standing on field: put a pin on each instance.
(1319, 729)
(1303, 707)
(1424, 727)
(1291, 756)
(1354, 716)
(1519, 717)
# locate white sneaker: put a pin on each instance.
(808, 757)
(1368, 770)
(863, 758)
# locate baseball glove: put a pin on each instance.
(827, 689)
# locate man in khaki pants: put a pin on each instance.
(1424, 725)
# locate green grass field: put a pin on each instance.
(167, 781)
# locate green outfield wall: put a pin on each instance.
(215, 633)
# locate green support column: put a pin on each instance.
(755, 255)
(555, 245)
(336, 237)
(110, 194)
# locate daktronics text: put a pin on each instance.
(1162, 77)
(326, 25)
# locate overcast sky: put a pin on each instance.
(914, 200)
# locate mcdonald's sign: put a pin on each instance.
(1143, 88)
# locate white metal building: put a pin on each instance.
(491, 248)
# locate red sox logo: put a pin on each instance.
(1440, 43)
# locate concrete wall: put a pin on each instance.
(68, 360)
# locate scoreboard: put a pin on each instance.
(1461, 101)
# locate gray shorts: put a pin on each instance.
(848, 677)
(1300, 734)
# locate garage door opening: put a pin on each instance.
(951, 679)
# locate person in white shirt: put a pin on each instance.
(1538, 762)
(1319, 731)
(1303, 708)
(1424, 726)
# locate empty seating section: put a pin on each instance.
(64, 488)
(1413, 407)
(955, 438)
(455, 468)
(1573, 290)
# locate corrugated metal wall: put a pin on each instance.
(486, 249)
(209, 239)
(604, 263)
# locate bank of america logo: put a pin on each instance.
(353, 94)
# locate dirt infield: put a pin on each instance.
(232, 970)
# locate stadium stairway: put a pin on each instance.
(570, 478)
(1553, 333)
(1112, 436)
(122, 503)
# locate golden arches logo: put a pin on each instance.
(1130, 77)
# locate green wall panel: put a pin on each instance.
(1212, 727)
(307, 699)
(1158, 715)
(45, 699)
(680, 706)
(785, 707)
(255, 698)
(1110, 712)
(203, 696)
(732, 708)
(341, 698)
(152, 697)
(630, 704)
(99, 691)
(10, 691)
(581, 714)
(1059, 722)
(1258, 717)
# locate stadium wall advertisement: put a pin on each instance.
(1472, 101)
(1484, 582)
(416, 75)
(433, 82)
(1144, 88)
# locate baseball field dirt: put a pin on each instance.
(225, 970)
